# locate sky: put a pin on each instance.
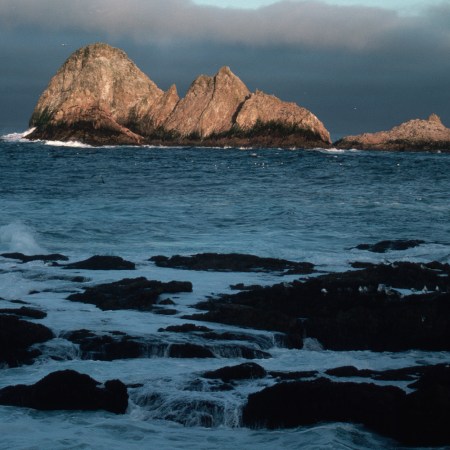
(359, 65)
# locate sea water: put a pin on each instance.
(303, 205)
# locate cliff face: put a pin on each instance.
(209, 105)
(100, 97)
(415, 134)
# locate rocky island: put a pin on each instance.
(414, 135)
(100, 97)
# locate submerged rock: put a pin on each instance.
(233, 262)
(384, 246)
(129, 293)
(98, 262)
(100, 97)
(25, 311)
(16, 337)
(415, 134)
(68, 390)
(28, 258)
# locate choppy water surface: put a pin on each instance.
(311, 205)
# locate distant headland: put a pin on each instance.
(100, 97)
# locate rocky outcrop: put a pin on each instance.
(100, 97)
(68, 390)
(16, 339)
(264, 108)
(416, 419)
(413, 135)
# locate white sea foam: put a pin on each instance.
(18, 237)
(74, 144)
(17, 137)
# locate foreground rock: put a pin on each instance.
(413, 135)
(419, 418)
(68, 390)
(98, 262)
(100, 97)
(355, 310)
(109, 346)
(233, 262)
(246, 371)
(129, 293)
(16, 338)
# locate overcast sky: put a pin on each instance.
(359, 65)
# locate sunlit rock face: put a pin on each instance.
(100, 97)
(417, 134)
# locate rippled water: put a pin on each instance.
(313, 205)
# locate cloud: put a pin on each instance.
(309, 24)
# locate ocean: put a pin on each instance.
(302, 205)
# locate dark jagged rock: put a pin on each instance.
(384, 246)
(28, 258)
(402, 374)
(245, 287)
(25, 311)
(107, 347)
(189, 351)
(98, 262)
(68, 390)
(246, 371)
(16, 336)
(416, 419)
(129, 293)
(292, 404)
(233, 262)
(185, 328)
(355, 310)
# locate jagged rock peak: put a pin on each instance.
(100, 76)
(434, 118)
(209, 105)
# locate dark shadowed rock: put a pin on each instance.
(185, 328)
(102, 263)
(25, 311)
(384, 246)
(288, 405)
(129, 293)
(16, 336)
(28, 258)
(68, 390)
(246, 371)
(233, 262)
(355, 310)
(283, 376)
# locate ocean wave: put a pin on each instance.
(18, 137)
(73, 144)
(18, 237)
